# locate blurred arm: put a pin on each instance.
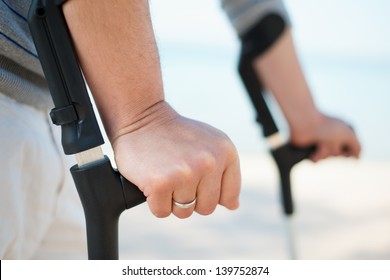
(280, 72)
(264, 27)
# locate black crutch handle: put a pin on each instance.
(286, 157)
(104, 194)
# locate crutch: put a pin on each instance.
(285, 154)
(104, 193)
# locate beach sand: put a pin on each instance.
(342, 212)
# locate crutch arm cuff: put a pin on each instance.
(262, 35)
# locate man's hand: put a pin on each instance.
(170, 157)
(332, 137)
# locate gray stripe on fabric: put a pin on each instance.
(23, 85)
(243, 14)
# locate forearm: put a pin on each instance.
(280, 72)
(116, 48)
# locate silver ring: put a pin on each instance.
(184, 205)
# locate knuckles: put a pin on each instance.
(187, 173)
(161, 213)
(183, 214)
(205, 211)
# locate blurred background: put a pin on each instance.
(342, 205)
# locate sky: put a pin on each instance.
(345, 27)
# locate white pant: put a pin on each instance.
(40, 213)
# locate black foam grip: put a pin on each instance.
(286, 157)
(104, 195)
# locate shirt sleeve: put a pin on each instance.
(244, 14)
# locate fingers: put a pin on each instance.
(182, 205)
(321, 152)
(231, 186)
(183, 209)
(350, 147)
(178, 185)
(209, 191)
(353, 148)
(347, 146)
(159, 198)
(217, 186)
(326, 150)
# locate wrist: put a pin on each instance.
(121, 108)
(157, 113)
(304, 129)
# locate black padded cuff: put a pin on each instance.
(262, 35)
(60, 2)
